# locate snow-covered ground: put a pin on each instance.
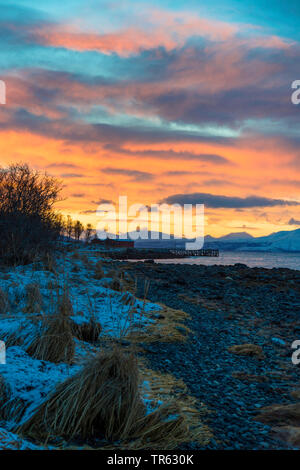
(30, 380)
(280, 241)
(284, 241)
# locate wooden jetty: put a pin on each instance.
(142, 254)
(188, 253)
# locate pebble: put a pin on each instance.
(206, 366)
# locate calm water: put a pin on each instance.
(251, 259)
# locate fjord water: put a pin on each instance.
(251, 259)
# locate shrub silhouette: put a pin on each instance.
(28, 222)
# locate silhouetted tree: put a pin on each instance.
(28, 223)
(78, 229)
(88, 233)
(69, 226)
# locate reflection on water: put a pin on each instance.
(251, 259)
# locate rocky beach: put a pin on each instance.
(237, 358)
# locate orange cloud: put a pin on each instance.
(253, 173)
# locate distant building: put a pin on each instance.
(118, 243)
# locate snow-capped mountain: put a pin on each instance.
(237, 236)
(284, 241)
(278, 241)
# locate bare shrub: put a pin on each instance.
(27, 221)
(55, 343)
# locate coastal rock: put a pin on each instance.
(249, 377)
(288, 434)
(252, 350)
(296, 394)
(280, 414)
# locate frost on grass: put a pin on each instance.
(29, 381)
(51, 321)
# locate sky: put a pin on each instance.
(162, 101)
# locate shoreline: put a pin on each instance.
(230, 306)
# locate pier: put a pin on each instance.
(142, 254)
(188, 253)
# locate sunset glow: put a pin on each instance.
(156, 101)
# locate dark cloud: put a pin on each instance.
(245, 227)
(72, 175)
(78, 195)
(81, 132)
(219, 182)
(226, 202)
(293, 221)
(171, 154)
(103, 201)
(63, 165)
(135, 175)
(294, 183)
(90, 211)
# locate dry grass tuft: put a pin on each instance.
(33, 298)
(56, 342)
(116, 282)
(99, 273)
(103, 398)
(4, 302)
(87, 331)
(65, 307)
(129, 283)
(280, 414)
(128, 299)
(252, 350)
(50, 263)
(11, 408)
(188, 412)
(169, 327)
(4, 397)
(161, 429)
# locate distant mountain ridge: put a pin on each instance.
(283, 241)
(237, 236)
